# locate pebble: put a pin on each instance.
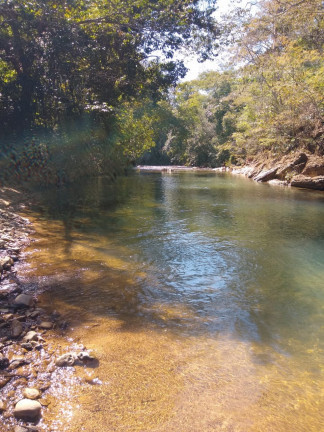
(16, 329)
(27, 346)
(27, 409)
(4, 361)
(67, 359)
(20, 429)
(31, 393)
(31, 336)
(16, 362)
(85, 357)
(6, 262)
(46, 325)
(2, 405)
(24, 300)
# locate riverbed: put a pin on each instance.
(201, 294)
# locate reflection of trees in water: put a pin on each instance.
(232, 254)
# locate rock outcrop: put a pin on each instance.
(299, 170)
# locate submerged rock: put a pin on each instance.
(27, 346)
(85, 357)
(71, 358)
(6, 263)
(16, 328)
(67, 359)
(24, 300)
(4, 361)
(31, 336)
(31, 393)
(46, 325)
(20, 429)
(27, 409)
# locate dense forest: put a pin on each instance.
(92, 86)
(270, 99)
(79, 78)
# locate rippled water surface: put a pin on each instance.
(202, 295)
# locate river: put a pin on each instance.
(201, 294)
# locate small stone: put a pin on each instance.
(44, 385)
(19, 382)
(66, 360)
(31, 336)
(4, 361)
(24, 300)
(20, 429)
(17, 362)
(2, 406)
(31, 393)
(27, 346)
(29, 410)
(4, 293)
(46, 325)
(6, 262)
(16, 329)
(85, 357)
(11, 394)
(45, 402)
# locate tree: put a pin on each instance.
(282, 79)
(58, 57)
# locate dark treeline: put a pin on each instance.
(79, 79)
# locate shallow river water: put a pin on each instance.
(202, 295)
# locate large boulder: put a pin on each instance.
(314, 169)
(267, 175)
(308, 182)
(29, 410)
(292, 168)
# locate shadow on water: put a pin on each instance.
(194, 254)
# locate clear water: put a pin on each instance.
(202, 295)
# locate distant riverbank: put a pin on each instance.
(297, 169)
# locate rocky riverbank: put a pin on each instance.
(30, 345)
(298, 170)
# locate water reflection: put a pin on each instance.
(246, 258)
(201, 257)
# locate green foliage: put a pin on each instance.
(273, 103)
(203, 121)
(65, 60)
(282, 81)
(62, 56)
